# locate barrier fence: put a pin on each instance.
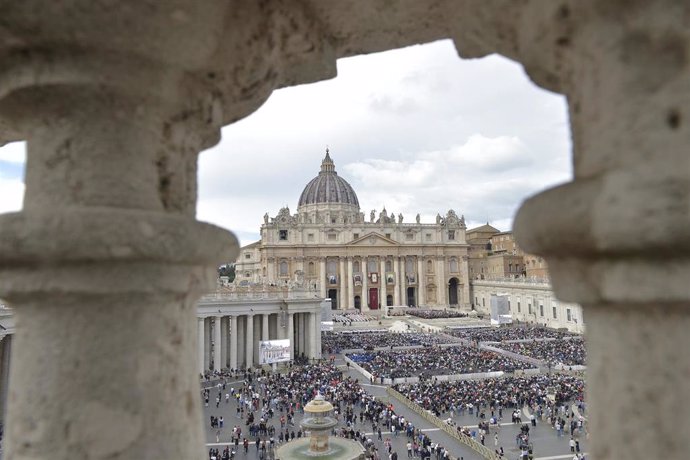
(451, 431)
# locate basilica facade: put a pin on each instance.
(358, 261)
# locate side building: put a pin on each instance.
(358, 263)
(529, 301)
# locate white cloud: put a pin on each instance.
(11, 195)
(417, 130)
(14, 152)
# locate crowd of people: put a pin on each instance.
(518, 332)
(267, 404)
(569, 352)
(435, 314)
(428, 362)
(349, 318)
(333, 342)
(489, 398)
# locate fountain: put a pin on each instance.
(319, 444)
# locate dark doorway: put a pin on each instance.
(453, 291)
(333, 294)
(389, 300)
(358, 302)
(373, 299)
(410, 297)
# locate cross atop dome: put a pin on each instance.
(327, 164)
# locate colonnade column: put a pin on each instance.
(216, 344)
(208, 343)
(322, 277)
(291, 334)
(264, 327)
(421, 282)
(350, 284)
(233, 342)
(382, 281)
(201, 348)
(249, 341)
(313, 337)
(364, 302)
(342, 281)
(396, 276)
(224, 341)
(271, 269)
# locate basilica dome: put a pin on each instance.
(328, 188)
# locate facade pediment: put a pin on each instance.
(373, 239)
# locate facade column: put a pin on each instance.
(382, 279)
(202, 345)
(350, 284)
(264, 327)
(396, 288)
(444, 278)
(217, 363)
(233, 342)
(403, 281)
(442, 290)
(270, 270)
(291, 334)
(365, 285)
(421, 282)
(322, 277)
(249, 341)
(342, 282)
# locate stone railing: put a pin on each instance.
(516, 281)
(268, 293)
(450, 430)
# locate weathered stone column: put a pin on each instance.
(103, 267)
(617, 238)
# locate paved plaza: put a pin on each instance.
(546, 443)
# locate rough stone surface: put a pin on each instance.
(117, 98)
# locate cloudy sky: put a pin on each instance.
(416, 130)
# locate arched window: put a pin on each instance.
(453, 265)
(311, 269)
(429, 266)
(283, 268)
(355, 266)
(389, 266)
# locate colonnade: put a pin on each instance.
(232, 341)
